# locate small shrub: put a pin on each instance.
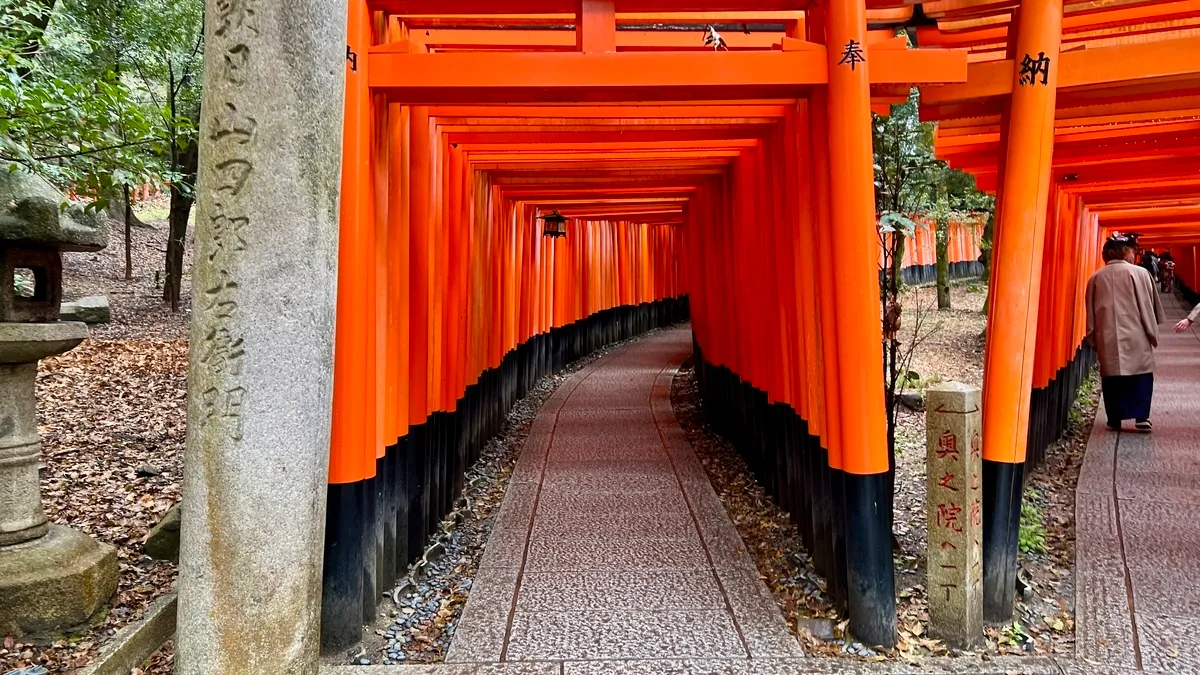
(974, 288)
(1031, 538)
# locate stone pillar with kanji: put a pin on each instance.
(953, 423)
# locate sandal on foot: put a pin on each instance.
(1144, 426)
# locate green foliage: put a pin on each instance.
(95, 95)
(1031, 538)
(1084, 398)
(65, 111)
(908, 176)
(1014, 635)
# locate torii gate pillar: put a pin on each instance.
(1016, 282)
(864, 456)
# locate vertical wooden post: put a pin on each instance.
(352, 459)
(1012, 317)
(595, 26)
(870, 585)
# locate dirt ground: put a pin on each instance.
(112, 414)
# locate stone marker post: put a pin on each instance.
(261, 361)
(954, 501)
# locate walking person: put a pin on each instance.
(1150, 263)
(1187, 322)
(1123, 313)
(1168, 272)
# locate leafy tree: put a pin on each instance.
(101, 97)
(159, 43)
(911, 183)
(64, 116)
(169, 60)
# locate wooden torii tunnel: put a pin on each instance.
(697, 183)
(1083, 117)
(711, 184)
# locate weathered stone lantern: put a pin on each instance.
(51, 577)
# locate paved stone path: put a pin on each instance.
(611, 544)
(612, 554)
(1137, 526)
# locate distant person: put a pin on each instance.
(1150, 264)
(1167, 266)
(1123, 313)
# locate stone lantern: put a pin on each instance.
(51, 577)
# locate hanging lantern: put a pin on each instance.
(554, 224)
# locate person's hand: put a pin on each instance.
(1183, 325)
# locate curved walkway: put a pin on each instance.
(612, 554)
(611, 548)
(1137, 528)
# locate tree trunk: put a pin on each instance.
(128, 234)
(117, 210)
(33, 42)
(181, 208)
(987, 246)
(943, 263)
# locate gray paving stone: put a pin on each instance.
(517, 508)
(623, 589)
(1169, 644)
(725, 546)
(612, 479)
(1104, 627)
(767, 634)
(615, 554)
(822, 666)
(505, 547)
(638, 419)
(587, 635)
(672, 525)
(449, 669)
(600, 503)
(482, 629)
(619, 563)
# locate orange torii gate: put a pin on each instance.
(1085, 127)
(678, 167)
(697, 183)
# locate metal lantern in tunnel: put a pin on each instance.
(554, 224)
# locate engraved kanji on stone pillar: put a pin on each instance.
(954, 502)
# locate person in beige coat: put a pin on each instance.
(1123, 313)
(1191, 319)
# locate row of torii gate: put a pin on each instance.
(734, 185)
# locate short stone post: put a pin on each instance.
(261, 362)
(954, 503)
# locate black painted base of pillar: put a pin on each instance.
(870, 577)
(341, 579)
(1003, 485)
(826, 504)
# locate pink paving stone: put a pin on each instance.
(614, 545)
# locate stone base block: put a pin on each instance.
(58, 581)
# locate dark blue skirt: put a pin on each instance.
(1127, 397)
